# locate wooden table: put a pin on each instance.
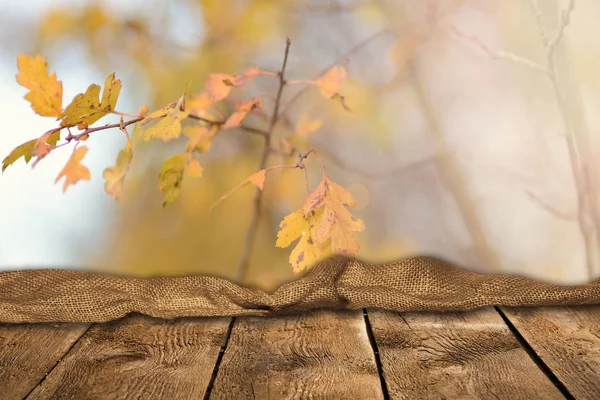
(491, 353)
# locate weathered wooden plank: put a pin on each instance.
(455, 356)
(318, 355)
(567, 339)
(29, 351)
(139, 357)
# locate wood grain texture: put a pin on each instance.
(318, 355)
(29, 351)
(567, 340)
(139, 357)
(455, 356)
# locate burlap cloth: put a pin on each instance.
(413, 284)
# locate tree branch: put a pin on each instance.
(252, 229)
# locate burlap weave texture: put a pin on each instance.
(412, 284)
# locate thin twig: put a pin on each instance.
(252, 229)
(501, 54)
(585, 196)
(552, 210)
(376, 175)
(87, 131)
(341, 60)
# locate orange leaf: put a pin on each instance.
(257, 178)
(242, 109)
(329, 84)
(143, 110)
(219, 85)
(45, 91)
(73, 170)
(337, 223)
(115, 176)
(41, 148)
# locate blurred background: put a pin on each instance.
(470, 137)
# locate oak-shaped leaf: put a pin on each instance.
(87, 108)
(115, 175)
(329, 84)
(45, 91)
(337, 223)
(74, 171)
(24, 149)
(308, 251)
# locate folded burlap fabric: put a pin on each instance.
(412, 284)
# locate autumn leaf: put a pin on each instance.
(329, 84)
(110, 94)
(337, 223)
(168, 126)
(218, 85)
(171, 175)
(308, 251)
(306, 125)
(45, 91)
(200, 137)
(88, 108)
(115, 176)
(41, 147)
(24, 150)
(258, 179)
(201, 101)
(74, 171)
(193, 168)
(241, 110)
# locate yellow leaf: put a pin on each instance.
(45, 92)
(201, 101)
(24, 150)
(337, 223)
(110, 94)
(73, 170)
(306, 125)
(329, 84)
(168, 127)
(87, 107)
(307, 252)
(171, 177)
(193, 168)
(200, 137)
(115, 176)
